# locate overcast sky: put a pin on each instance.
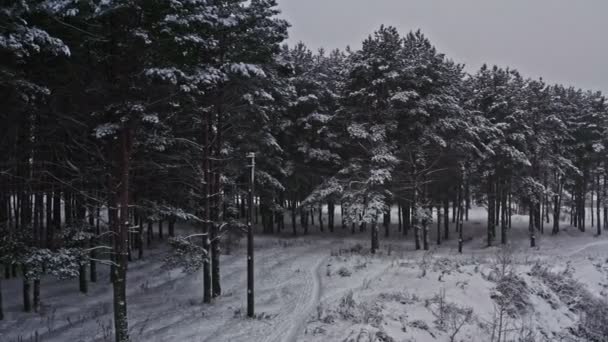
(564, 41)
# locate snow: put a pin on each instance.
(302, 295)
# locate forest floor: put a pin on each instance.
(327, 287)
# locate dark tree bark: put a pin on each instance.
(438, 224)
(83, 286)
(27, 301)
(374, 236)
(399, 217)
(405, 213)
(293, 218)
(1, 304)
(149, 235)
(172, 226)
(331, 208)
(386, 221)
(446, 218)
(599, 203)
(531, 225)
(491, 208)
(121, 240)
(36, 295)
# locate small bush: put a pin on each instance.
(344, 272)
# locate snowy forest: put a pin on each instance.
(145, 144)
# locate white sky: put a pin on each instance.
(564, 41)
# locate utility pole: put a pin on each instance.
(250, 302)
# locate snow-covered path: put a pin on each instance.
(166, 305)
(587, 247)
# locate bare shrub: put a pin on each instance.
(593, 311)
(450, 317)
(344, 272)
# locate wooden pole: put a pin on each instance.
(250, 301)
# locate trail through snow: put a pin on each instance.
(587, 246)
(298, 323)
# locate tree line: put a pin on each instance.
(119, 117)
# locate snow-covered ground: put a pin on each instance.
(325, 287)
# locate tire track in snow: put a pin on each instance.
(302, 317)
(587, 246)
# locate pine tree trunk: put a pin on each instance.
(149, 235)
(374, 237)
(407, 223)
(503, 218)
(172, 226)
(330, 216)
(27, 303)
(599, 203)
(531, 225)
(446, 218)
(92, 262)
(415, 219)
(320, 216)
(160, 229)
(140, 238)
(459, 223)
(491, 207)
(425, 233)
(82, 279)
(438, 224)
(387, 221)
(1, 303)
(399, 218)
(207, 131)
(36, 295)
(121, 240)
(293, 218)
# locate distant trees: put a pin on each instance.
(119, 116)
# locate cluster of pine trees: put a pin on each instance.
(118, 116)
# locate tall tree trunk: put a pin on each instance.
(446, 218)
(599, 203)
(217, 207)
(83, 286)
(121, 240)
(438, 224)
(27, 303)
(407, 222)
(399, 218)
(374, 236)
(207, 131)
(531, 227)
(491, 208)
(387, 221)
(36, 295)
(330, 215)
(320, 216)
(1, 304)
(415, 220)
(293, 217)
(460, 223)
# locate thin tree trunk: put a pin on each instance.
(446, 218)
(599, 203)
(399, 218)
(491, 207)
(82, 279)
(374, 237)
(438, 224)
(27, 303)
(387, 221)
(1, 304)
(36, 295)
